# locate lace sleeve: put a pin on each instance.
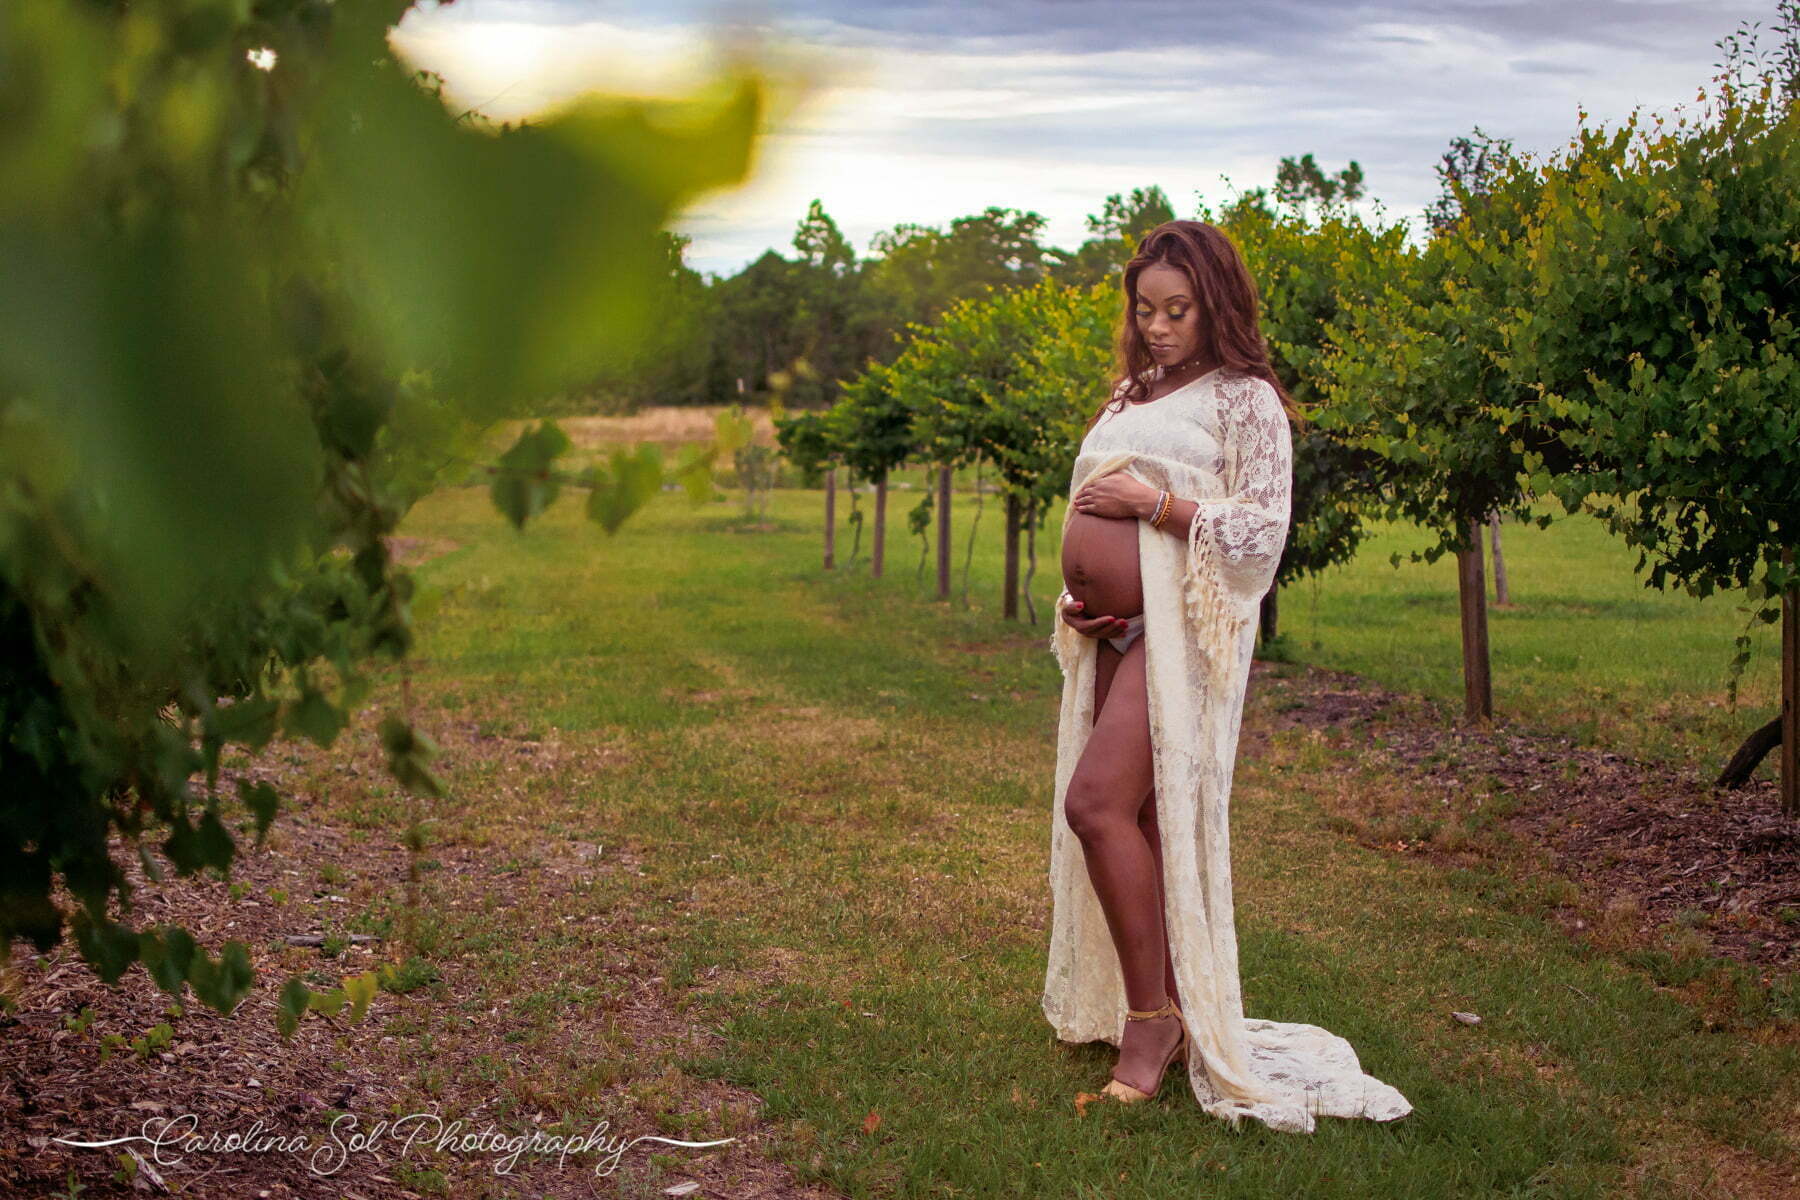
(1235, 543)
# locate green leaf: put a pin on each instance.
(624, 488)
(223, 983)
(732, 430)
(249, 722)
(410, 754)
(524, 480)
(184, 847)
(168, 957)
(315, 717)
(262, 800)
(329, 1003)
(291, 1006)
(397, 735)
(361, 990)
(109, 946)
(554, 223)
(214, 842)
(152, 869)
(353, 405)
(694, 470)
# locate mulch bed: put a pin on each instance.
(1650, 839)
(235, 1075)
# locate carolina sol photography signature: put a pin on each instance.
(173, 1139)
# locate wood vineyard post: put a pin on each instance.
(1790, 695)
(1031, 524)
(880, 542)
(830, 518)
(1010, 607)
(1500, 593)
(943, 531)
(1478, 691)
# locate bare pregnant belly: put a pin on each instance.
(1100, 565)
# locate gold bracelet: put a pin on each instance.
(1164, 507)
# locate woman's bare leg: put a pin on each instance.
(1153, 835)
(1105, 666)
(1105, 806)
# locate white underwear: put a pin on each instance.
(1134, 628)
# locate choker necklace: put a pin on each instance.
(1180, 366)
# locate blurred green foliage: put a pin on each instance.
(260, 289)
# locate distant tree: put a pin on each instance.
(1117, 228)
(1132, 217)
(828, 320)
(1466, 174)
(756, 310)
(921, 270)
(1094, 261)
(997, 247)
(821, 244)
(904, 284)
(1746, 66)
(1301, 181)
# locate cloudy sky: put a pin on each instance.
(924, 110)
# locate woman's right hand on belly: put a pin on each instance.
(1086, 626)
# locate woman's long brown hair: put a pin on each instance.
(1226, 297)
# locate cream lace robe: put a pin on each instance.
(1223, 441)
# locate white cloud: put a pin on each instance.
(922, 127)
(511, 68)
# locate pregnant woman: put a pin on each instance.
(1178, 513)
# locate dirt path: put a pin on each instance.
(436, 1047)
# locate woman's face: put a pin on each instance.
(1168, 316)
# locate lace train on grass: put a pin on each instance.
(1222, 441)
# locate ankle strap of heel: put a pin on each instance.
(1132, 1014)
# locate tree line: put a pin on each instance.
(1609, 327)
(725, 340)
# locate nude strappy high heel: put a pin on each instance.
(1124, 1092)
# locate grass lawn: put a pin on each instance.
(1584, 647)
(834, 793)
(737, 848)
